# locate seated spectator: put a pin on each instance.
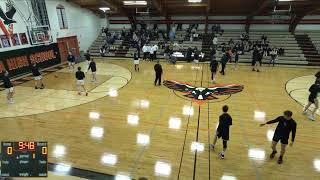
(230, 41)
(102, 51)
(264, 39)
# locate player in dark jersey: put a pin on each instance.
(71, 61)
(93, 67)
(213, 67)
(285, 125)
(224, 60)
(80, 81)
(87, 55)
(225, 121)
(236, 59)
(314, 90)
(136, 61)
(257, 55)
(37, 76)
(158, 71)
(8, 86)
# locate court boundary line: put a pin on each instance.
(128, 82)
(289, 93)
(186, 132)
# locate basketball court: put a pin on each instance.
(132, 127)
(129, 128)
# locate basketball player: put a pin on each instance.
(8, 87)
(80, 81)
(285, 125)
(136, 62)
(256, 58)
(71, 61)
(93, 67)
(88, 57)
(224, 61)
(236, 59)
(37, 77)
(213, 67)
(158, 70)
(225, 121)
(314, 90)
(317, 75)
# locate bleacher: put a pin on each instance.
(293, 53)
(311, 42)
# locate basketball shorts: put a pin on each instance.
(136, 62)
(9, 90)
(37, 78)
(80, 82)
(278, 138)
(312, 99)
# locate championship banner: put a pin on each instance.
(18, 62)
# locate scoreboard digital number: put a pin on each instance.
(24, 159)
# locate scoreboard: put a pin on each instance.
(24, 159)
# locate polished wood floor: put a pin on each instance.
(135, 130)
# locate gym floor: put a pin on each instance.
(127, 126)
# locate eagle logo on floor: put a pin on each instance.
(201, 95)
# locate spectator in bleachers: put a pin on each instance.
(179, 27)
(196, 55)
(102, 51)
(215, 42)
(171, 35)
(273, 55)
(281, 51)
(123, 32)
(230, 42)
(146, 51)
(244, 36)
(106, 31)
(264, 39)
(154, 52)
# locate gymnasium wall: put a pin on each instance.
(81, 23)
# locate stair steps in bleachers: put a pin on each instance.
(206, 46)
(308, 49)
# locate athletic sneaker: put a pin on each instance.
(273, 154)
(304, 113)
(312, 118)
(79, 94)
(280, 160)
(35, 87)
(86, 93)
(211, 147)
(11, 101)
(253, 70)
(221, 155)
(258, 70)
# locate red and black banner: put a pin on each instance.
(18, 62)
